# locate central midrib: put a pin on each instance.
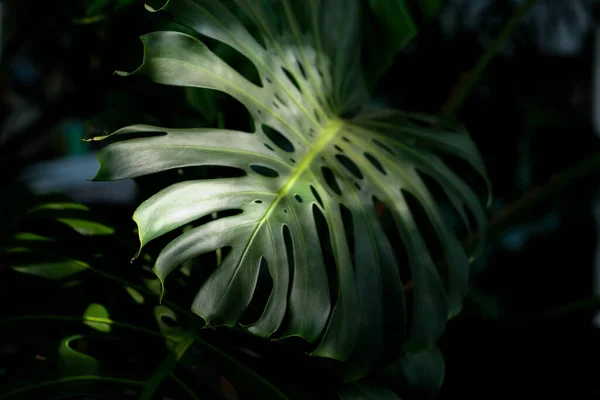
(325, 136)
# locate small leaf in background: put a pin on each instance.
(53, 270)
(28, 236)
(387, 28)
(71, 284)
(87, 228)
(96, 6)
(95, 310)
(73, 362)
(59, 206)
(365, 391)
(153, 285)
(430, 8)
(423, 371)
(167, 322)
(395, 18)
(135, 295)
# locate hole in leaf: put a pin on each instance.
(316, 194)
(152, 184)
(264, 171)
(424, 225)
(289, 250)
(345, 139)
(317, 116)
(348, 223)
(388, 225)
(423, 122)
(471, 245)
(301, 68)
(246, 21)
(268, 146)
(262, 291)
(384, 147)
(330, 180)
(375, 163)
(292, 160)
(278, 139)
(168, 321)
(349, 165)
(275, 104)
(225, 251)
(280, 99)
(357, 186)
(338, 148)
(268, 79)
(238, 116)
(227, 213)
(440, 197)
(311, 131)
(291, 79)
(470, 218)
(234, 59)
(327, 251)
(298, 198)
(209, 263)
(285, 210)
(466, 172)
(386, 219)
(258, 201)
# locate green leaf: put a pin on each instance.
(135, 295)
(28, 236)
(53, 270)
(303, 164)
(388, 28)
(430, 8)
(59, 206)
(73, 362)
(396, 19)
(87, 228)
(96, 6)
(167, 323)
(97, 311)
(423, 371)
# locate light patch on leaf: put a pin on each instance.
(87, 228)
(97, 317)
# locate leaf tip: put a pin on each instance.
(151, 8)
(122, 73)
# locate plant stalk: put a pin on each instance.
(467, 84)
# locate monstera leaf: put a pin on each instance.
(315, 174)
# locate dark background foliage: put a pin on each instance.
(528, 325)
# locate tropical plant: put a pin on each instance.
(319, 199)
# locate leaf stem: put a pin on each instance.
(165, 369)
(468, 83)
(70, 379)
(224, 360)
(184, 387)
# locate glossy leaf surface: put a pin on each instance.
(311, 187)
